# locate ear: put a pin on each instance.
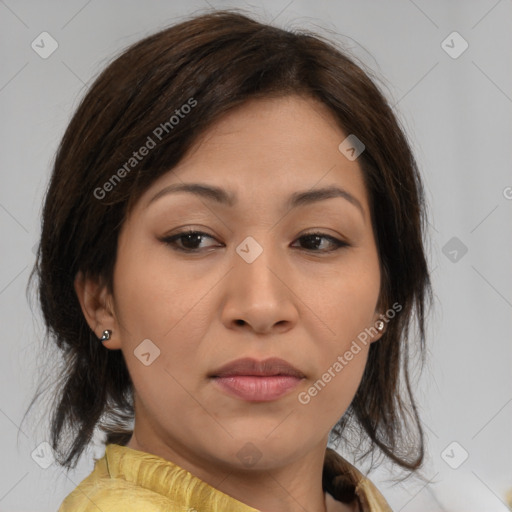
(97, 306)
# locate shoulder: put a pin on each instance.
(115, 496)
(98, 492)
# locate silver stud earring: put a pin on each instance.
(106, 335)
(379, 324)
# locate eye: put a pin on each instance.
(317, 242)
(193, 241)
(189, 241)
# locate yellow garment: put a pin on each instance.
(128, 480)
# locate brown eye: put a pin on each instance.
(321, 242)
(189, 241)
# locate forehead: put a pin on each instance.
(266, 150)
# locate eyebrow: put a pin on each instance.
(222, 196)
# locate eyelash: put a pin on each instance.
(171, 241)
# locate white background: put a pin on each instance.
(458, 115)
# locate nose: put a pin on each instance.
(259, 295)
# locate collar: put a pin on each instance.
(340, 479)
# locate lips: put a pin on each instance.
(257, 381)
(251, 367)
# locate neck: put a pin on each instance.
(293, 487)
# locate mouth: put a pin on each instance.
(257, 381)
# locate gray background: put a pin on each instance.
(458, 115)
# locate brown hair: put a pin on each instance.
(217, 61)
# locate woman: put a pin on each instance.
(231, 256)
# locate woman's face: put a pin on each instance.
(252, 284)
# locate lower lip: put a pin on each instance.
(258, 389)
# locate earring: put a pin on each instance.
(379, 324)
(106, 335)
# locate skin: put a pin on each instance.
(296, 301)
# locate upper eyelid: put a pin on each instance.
(198, 231)
(338, 242)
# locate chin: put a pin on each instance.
(260, 451)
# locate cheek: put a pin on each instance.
(348, 303)
(157, 303)
(153, 299)
(346, 306)
(332, 387)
